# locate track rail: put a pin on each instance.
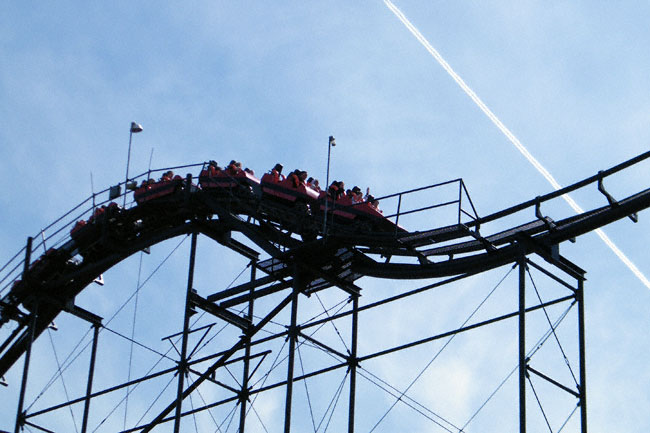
(337, 259)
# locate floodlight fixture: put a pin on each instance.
(331, 144)
(135, 128)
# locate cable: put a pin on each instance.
(226, 324)
(55, 375)
(135, 312)
(503, 382)
(232, 417)
(196, 427)
(311, 410)
(233, 376)
(139, 344)
(211, 338)
(530, 354)
(539, 403)
(229, 417)
(569, 417)
(332, 322)
(379, 379)
(209, 411)
(449, 340)
(146, 374)
(71, 361)
(222, 328)
(154, 401)
(548, 333)
(336, 402)
(165, 354)
(395, 392)
(548, 319)
(274, 365)
(343, 302)
(123, 398)
(65, 388)
(259, 418)
(277, 363)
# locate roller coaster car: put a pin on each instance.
(223, 181)
(286, 190)
(357, 216)
(107, 224)
(85, 235)
(158, 190)
(362, 215)
(49, 266)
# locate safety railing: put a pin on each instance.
(57, 233)
(456, 198)
(537, 201)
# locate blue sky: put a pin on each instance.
(263, 83)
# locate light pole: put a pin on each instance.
(331, 144)
(135, 128)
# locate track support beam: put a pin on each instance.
(583, 362)
(247, 354)
(21, 399)
(353, 362)
(20, 416)
(182, 365)
(522, 342)
(293, 336)
(91, 373)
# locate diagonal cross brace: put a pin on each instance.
(221, 361)
(241, 322)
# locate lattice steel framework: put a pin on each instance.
(296, 270)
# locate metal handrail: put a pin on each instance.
(462, 191)
(560, 192)
(54, 229)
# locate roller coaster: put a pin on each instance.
(311, 242)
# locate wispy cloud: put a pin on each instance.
(511, 137)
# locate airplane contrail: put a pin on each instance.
(514, 140)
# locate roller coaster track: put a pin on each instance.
(337, 258)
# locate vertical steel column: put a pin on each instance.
(23, 385)
(399, 209)
(460, 199)
(91, 373)
(247, 354)
(522, 342)
(583, 373)
(28, 256)
(353, 362)
(182, 365)
(28, 352)
(293, 334)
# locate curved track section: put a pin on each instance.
(49, 285)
